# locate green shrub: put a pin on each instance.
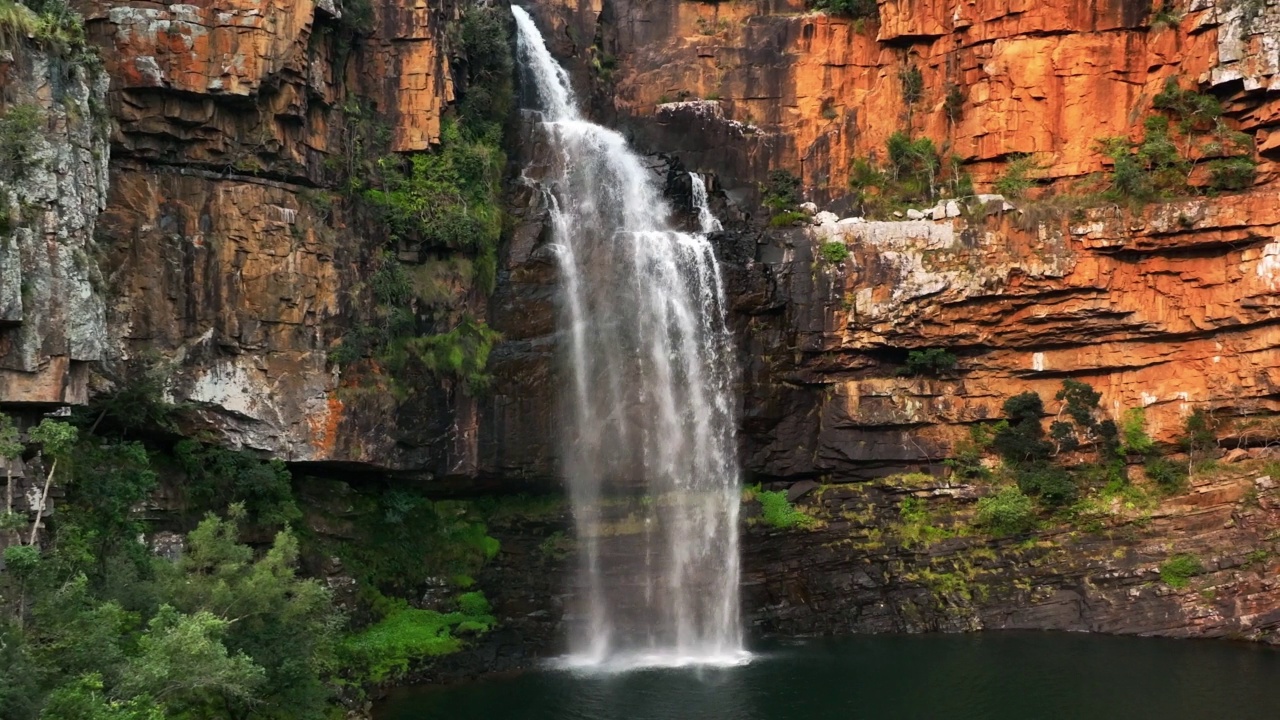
(21, 560)
(1165, 15)
(1133, 429)
(913, 161)
(1017, 180)
(1008, 512)
(1188, 126)
(1237, 173)
(912, 84)
(1194, 111)
(953, 104)
(782, 192)
(1021, 440)
(917, 523)
(967, 463)
(834, 252)
(388, 648)
(357, 15)
(914, 173)
(1199, 436)
(19, 131)
(217, 477)
(933, 361)
(1053, 485)
(403, 536)
(474, 604)
(1166, 473)
(787, 218)
(488, 97)
(1063, 435)
(779, 512)
(52, 24)
(849, 8)
(1177, 571)
(461, 353)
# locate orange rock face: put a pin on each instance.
(230, 253)
(1170, 307)
(1026, 77)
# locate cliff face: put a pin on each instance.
(230, 264)
(818, 90)
(1168, 306)
(227, 262)
(53, 185)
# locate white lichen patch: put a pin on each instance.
(1269, 264)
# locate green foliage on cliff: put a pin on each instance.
(445, 199)
(912, 84)
(781, 195)
(217, 477)
(100, 628)
(389, 647)
(461, 353)
(914, 174)
(1165, 473)
(1133, 433)
(1237, 173)
(1021, 440)
(52, 24)
(968, 453)
(918, 526)
(777, 511)
(19, 129)
(1199, 435)
(438, 208)
(1187, 129)
(834, 252)
(1008, 512)
(1022, 445)
(1018, 176)
(1177, 571)
(931, 361)
(864, 9)
(403, 537)
(357, 14)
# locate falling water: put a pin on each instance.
(648, 437)
(707, 221)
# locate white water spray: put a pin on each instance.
(648, 440)
(707, 221)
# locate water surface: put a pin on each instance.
(990, 676)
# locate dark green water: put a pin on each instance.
(992, 676)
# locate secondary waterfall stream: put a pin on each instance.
(648, 442)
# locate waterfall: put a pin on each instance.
(647, 439)
(707, 221)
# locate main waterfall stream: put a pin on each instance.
(648, 433)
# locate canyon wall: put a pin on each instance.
(226, 262)
(1168, 306)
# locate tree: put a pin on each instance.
(182, 663)
(10, 451)
(19, 686)
(1081, 402)
(56, 439)
(286, 624)
(84, 699)
(1199, 436)
(1022, 440)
